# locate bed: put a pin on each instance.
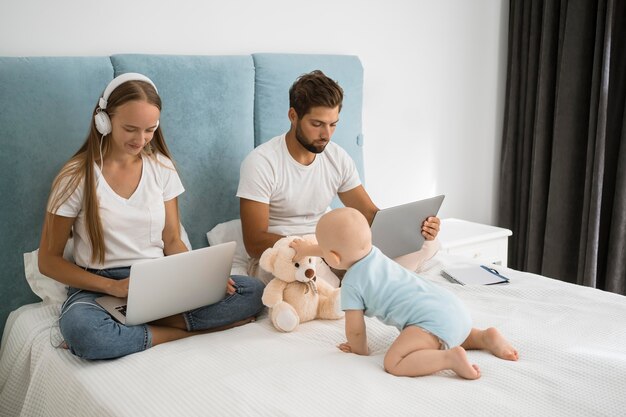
(571, 339)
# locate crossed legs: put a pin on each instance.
(174, 328)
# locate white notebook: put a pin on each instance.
(474, 275)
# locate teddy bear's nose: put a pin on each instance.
(309, 273)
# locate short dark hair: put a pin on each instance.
(314, 89)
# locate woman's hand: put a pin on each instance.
(119, 287)
(430, 228)
(230, 287)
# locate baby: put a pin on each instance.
(435, 327)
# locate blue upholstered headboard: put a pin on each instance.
(215, 110)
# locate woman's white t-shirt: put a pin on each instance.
(133, 226)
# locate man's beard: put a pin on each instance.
(303, 140)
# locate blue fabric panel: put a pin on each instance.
(45, 112)
(207, 120)
(275, 73)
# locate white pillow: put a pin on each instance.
(49, 290)
(228, 232)
(52, 291)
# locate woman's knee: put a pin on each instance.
(252, 289)
(88, 335)
(81, 337)
(249, 285)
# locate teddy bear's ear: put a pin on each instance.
(267, 259)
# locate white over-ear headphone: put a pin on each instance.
(101, 118)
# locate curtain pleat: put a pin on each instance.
(562, 186)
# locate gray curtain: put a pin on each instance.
(563, 162)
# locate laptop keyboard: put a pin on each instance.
(121, 309)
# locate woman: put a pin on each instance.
(118, 198)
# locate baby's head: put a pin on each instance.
(344, 236)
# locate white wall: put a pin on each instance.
(435, 71)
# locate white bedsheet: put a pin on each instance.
(571, 339)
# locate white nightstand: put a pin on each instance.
(482, 242)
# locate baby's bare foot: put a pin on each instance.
(498, 345)
(461, 365)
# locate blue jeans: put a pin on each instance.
(91, 333)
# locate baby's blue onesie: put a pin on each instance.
(399, 297)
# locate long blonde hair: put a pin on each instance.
(81, 165)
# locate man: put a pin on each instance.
(288, 183)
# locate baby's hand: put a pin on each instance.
(345, 347)
(300, 246)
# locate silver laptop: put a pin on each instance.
(396, 231)
(173, 284)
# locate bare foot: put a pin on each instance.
(461, 365)
(498, 345)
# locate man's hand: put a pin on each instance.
(430, 228)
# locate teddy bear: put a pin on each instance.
(295, 295)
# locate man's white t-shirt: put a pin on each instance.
(298, 195)
(132, 227)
